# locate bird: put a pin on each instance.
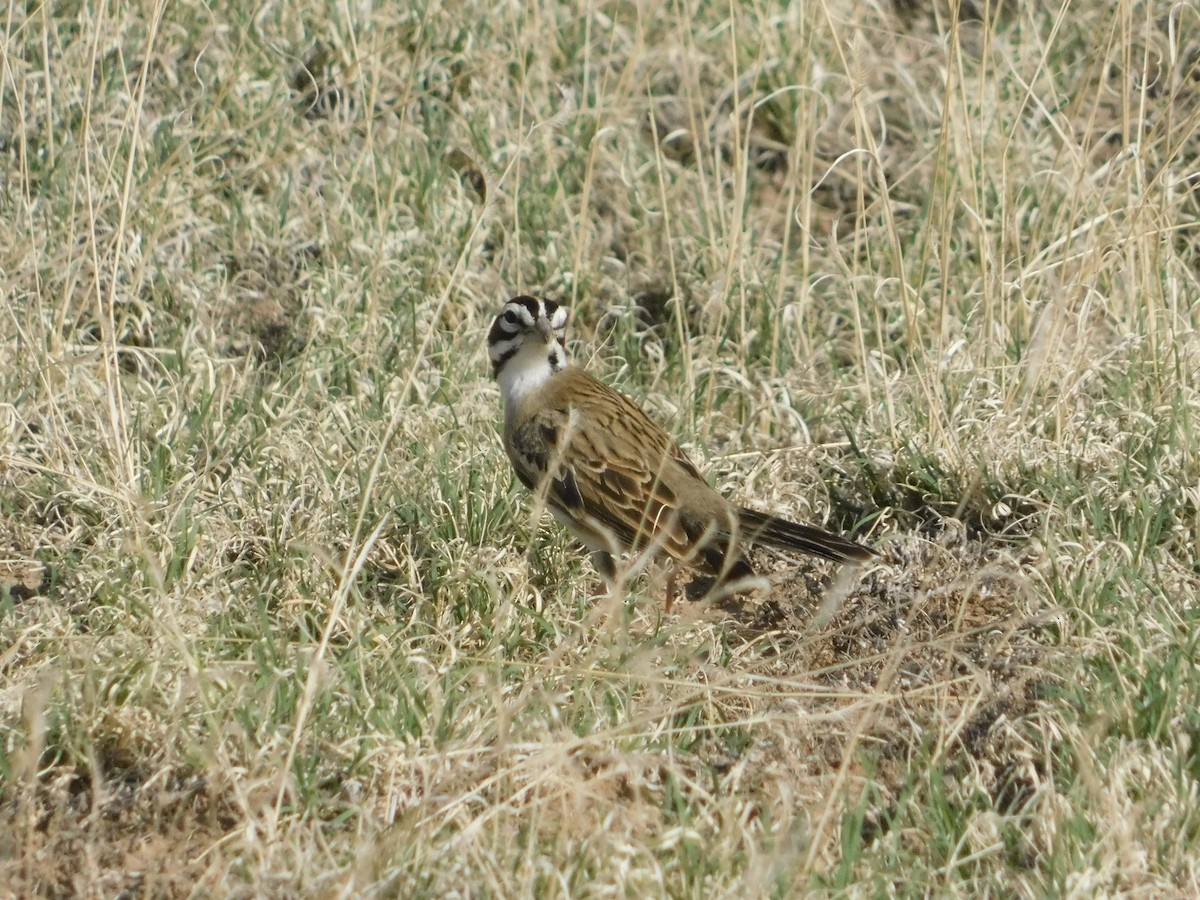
(611, 475)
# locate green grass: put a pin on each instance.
(275, 617)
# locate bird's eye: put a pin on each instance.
(509, 318)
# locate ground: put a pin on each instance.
(276, 618)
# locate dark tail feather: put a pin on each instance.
(760, 528)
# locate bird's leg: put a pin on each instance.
(607, 567)
(672, 579)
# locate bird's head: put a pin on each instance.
(528, 336)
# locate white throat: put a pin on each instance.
(527, 370)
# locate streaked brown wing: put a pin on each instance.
(608, 465)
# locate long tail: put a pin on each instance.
(775, 532)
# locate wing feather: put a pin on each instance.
(606, 464)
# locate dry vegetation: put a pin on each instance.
(274, 617)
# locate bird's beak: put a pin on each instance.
(546, 330)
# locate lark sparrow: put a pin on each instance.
(612, 476)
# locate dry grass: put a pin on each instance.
(275, 620)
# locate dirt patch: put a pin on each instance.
(317, 83)
(66, 837)
(21, 578)
(935, 654)
(265, 308)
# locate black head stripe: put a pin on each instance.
(498, 360)
(498, 333)
(532, 305)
